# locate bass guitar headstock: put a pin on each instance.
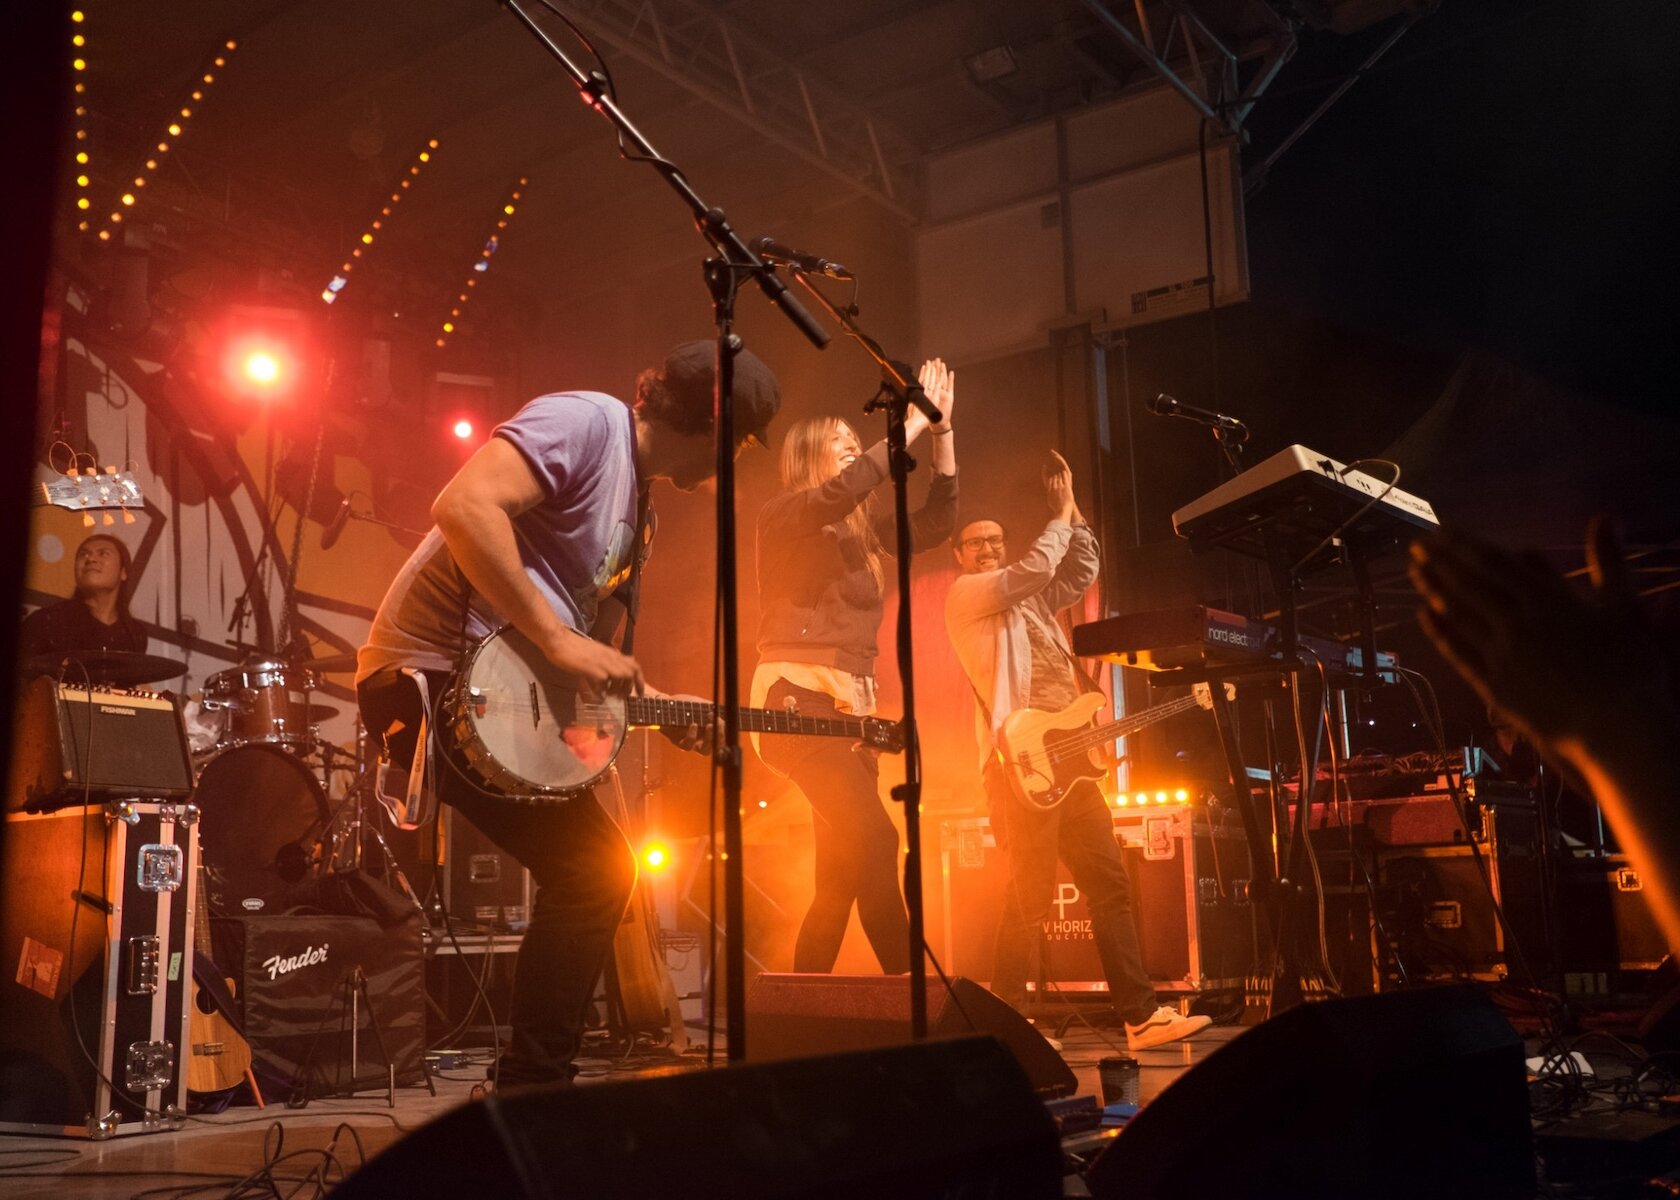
(1204, 694)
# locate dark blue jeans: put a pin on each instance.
(855, 842)
(1080, 832)
(582, 865)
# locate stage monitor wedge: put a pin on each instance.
(942, 1120)
(1384, 1097)
(795, 1016)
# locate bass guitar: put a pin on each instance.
(526, 728)
(1045, 753)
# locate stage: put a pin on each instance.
(216, 1152)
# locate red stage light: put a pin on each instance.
(462, 428)
(261, 368)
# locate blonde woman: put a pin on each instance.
(822, 548)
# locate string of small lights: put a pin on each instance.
(337, 283)
(83, 143)
(172, 132)
(510, 204)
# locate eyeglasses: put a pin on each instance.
(995, 541)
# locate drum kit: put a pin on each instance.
(271, 790)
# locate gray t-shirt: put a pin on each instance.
(576, 544)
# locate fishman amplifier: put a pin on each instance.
(73, 744)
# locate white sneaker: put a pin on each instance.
(1163, 1026)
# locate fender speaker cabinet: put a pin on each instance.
(96, 943)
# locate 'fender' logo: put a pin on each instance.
(308, 957)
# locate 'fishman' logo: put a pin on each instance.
(115, 711)
(307, 957)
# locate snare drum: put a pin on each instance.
(262, 701)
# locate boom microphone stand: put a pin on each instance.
(899, 390)
(731, 261)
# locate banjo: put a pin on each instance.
(527, 729)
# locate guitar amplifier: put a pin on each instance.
(73, 745)
(1432, 891)
(1605, 923)
(96, 932)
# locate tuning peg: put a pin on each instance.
(111, 469)
(128, 517)
(87, 520)
(74, 472)
(109, 519)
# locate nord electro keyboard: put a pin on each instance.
(1297, 498)
(1169, 639)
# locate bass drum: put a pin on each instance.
(261, 817)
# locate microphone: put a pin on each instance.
(770, 250)
(1164, 405)
(335, 527)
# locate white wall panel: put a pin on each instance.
(989, 261)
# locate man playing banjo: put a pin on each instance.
(543, 529)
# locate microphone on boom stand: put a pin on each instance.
(1164, 405)
(772, 251)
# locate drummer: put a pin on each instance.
(96, 617)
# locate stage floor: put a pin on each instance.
(216, 1152)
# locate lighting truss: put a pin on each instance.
(504, 214)
(370, 233)
(130, 196)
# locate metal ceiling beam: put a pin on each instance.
(1199, 43)
(697, 50)
(1256, 178)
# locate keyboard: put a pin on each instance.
(1193, 635)
(1297, 498)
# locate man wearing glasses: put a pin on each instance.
(1002, 622)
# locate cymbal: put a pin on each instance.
(119, 668)
(322, 712)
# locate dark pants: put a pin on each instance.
(584, 871)
(1080, 832)
(856, 844)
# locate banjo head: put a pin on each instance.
(528, 728)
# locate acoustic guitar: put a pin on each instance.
(219, 1057)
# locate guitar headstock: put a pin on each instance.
(1204, 694)
(89, 492)
(886, 736)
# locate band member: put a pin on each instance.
(96, 617)
(539, 529)
(1002, 621)
(821, 551)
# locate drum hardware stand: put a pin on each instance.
(396, 872)
(349, 826)
(354, 991)
(732, 261)
(243, 608)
